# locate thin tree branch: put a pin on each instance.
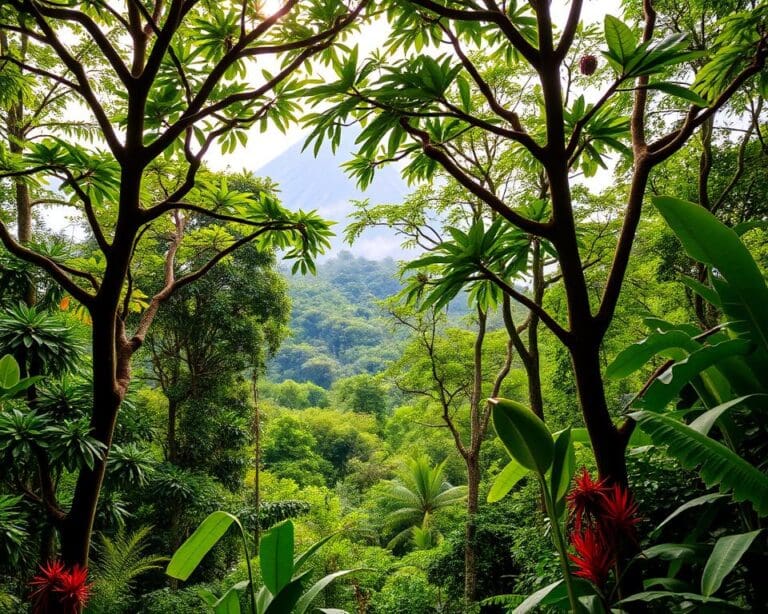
(438, 154)
(549, 321)
(52, 268)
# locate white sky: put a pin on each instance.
(264, 147)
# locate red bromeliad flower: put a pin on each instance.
(74, 590)
(619, 513)
(593, 558)
(60, 591)
(604, 519)
(586, 498)
(44, 584)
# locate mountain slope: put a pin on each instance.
(319, 183)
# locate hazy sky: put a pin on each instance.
(265, 147)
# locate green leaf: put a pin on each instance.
(23, 384)
(708, 240)
(523, 434)
(563, 465)
(620, 39)
(718, 464)
(669, 383)
(533, 600)
(9, 372)
(725, 555)
(230, 601)
(289, 595)
(638, 354)
(207, 596)
(506, 480)
(679, 92)
(706, 421)
(647, 596)
(312, 593)
(305, 556)
(671, 552)
(705, 292)
(186, 559)
(670, 584)
(276, 557)
(464, 93)
(703, 500)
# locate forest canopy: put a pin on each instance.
(555, 401)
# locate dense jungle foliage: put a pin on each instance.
(556, 403)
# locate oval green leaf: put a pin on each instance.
(725, 555)
(523, 434)
(186, 559)
(506, 480)
(276, 557)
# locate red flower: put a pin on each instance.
(619, 513)
(586, 498)
(44, 584)
(74, 590)
(593, 557)
(58, 590)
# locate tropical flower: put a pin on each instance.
(73, 589)
(58, 590)
(593, 557)
(619, 513)
(44, 585)
(586, 499)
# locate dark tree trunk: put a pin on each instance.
(470, 541)
(108, 367)
(173, 406)
(608, 443)
(532, 366)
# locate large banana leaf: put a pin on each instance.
(719, 465)
(707, 239)
(668, 385)
(725, 556)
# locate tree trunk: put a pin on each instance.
(108, 367)
(16, 137)
(173, 406)
(256, 456)
(532, 366)
(608, 443)
(470, 545)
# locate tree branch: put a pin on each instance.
(52, 268)
(669, 144)
(566, 40)
(495, 15)
(549, 321)
(493, 201)
(106, 48)
(77, 69)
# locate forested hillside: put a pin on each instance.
(338, 325)
(554, 400)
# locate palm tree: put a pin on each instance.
(421, 490)
(40, 341)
